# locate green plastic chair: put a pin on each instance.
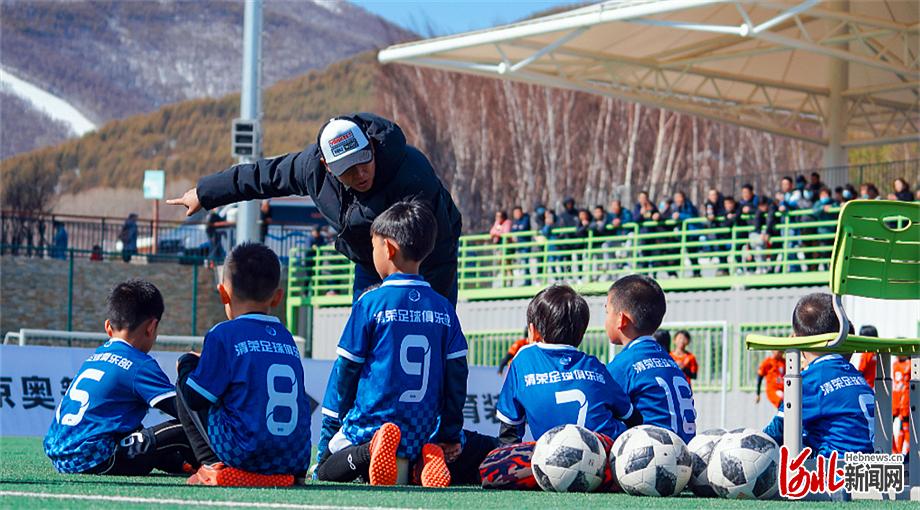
(876, 255)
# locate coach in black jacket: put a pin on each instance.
(360, 166)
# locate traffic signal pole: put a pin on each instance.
(247, 217)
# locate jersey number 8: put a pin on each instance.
(281, 399)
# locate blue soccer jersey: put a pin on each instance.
(403, 332)
(838, 408)
(251, 371)
(107, 399)
(656, 386)
(554, 384)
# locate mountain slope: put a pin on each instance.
(192, 138)
(112, 59)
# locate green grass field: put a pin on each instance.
(27, 480)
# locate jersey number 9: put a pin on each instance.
(415, 367)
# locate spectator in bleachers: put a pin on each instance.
(59, 244)
(843, 194)
(520, 221)
(824, 210)
(548, 233)
(618, 215)
(95, 254)
(901, 191)
(568, 216)
(764, 230)
(730, 219)
(538, 220)
(644, 213)
(868, 191)
(807, 195)
(501, 226)
(788, 197)
(681, 210)
(814, 183)
(600, 220)
(748, 202)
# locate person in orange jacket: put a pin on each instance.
(773, 369)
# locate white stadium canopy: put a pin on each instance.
(836, 73)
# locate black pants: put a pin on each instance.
(352, 463)
(194, 423)
(162, 447)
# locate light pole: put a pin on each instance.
(247, 216)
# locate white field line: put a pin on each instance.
(182, 502)
(53, 106)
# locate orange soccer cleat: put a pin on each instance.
(383, 469)
(434, 472)
(218, 474)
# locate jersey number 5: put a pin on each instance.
(78, 395)
(415, 367)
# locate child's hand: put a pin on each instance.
(451, 451)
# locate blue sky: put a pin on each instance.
(450, 17)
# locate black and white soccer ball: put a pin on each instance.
(744, 465)
(569, 458)
(651, 461)
(701, 447)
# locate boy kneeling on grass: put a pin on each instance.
(399, 383)
(838, 407)
(243, 402)
(97, 426)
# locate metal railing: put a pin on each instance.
(34, 235)
(521, 263)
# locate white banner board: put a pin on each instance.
(34, 378)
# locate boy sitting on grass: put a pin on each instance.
(838, 407)
(97, 426)
(399, 383)
(243, 402)
(552, 383)
(655, 384)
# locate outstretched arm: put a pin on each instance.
(266, 178)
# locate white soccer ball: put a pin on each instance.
(651, 461)
(701, 447)
(569, 458)
(744, 465)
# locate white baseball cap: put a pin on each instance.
(344, 145)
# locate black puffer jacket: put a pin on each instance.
(402, 172)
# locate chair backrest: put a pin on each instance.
(877, 250)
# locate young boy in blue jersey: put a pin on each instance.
(97, 425)
(552, 383)
(243, 402)
(655, 384)
(838, 406)
(399, 384)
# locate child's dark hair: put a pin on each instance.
(685, 333)
(642, 298)
(412, 225)
(133, 302)
(868, 330)
(814, 315)
(253, 271)
(663, 337)
(559, 314)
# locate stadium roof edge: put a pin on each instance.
(835, 73)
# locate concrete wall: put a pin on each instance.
(33, 293)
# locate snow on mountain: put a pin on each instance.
(51, 105)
